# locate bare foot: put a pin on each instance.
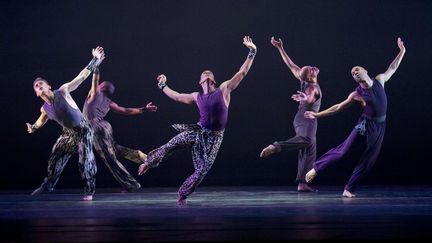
(131, 189)
(142, 156)
(88, 198)
(142, 169)
(181, 202)
(310, 175)
(38, 190)
(271, 149)
(303, 187)
(348, 194)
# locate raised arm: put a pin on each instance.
(179, 97)
(232, 83)
(384, 77)
(353, 97)
(95, 83)
(291, 65)
(132, 111)
(43, 118)
(98, 56)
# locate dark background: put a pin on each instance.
(142, 39)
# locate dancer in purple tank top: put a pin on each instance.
(368, 134)
(205, 137)
(309, 98)
(96, 107)
(77, 134)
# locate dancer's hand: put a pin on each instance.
(98, 52)
(401, 44)
(150, 107)
(161, 78)
(275, 43)
(299, 97)
(30, 128)
(247, 41)
(310, 114)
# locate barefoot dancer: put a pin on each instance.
(368, 134)
(96, 107)
(206, 137)
(309, 98)
(77, 135)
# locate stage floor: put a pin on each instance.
(218, 213)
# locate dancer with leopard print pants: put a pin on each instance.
(77, 134)
(96, 107)
(205, 137)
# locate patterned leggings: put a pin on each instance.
(107, 149)
(79, 138)
(205, 146)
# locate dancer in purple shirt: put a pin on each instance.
(77, 134)
(96, 107)
(368, 134)
(205, 137)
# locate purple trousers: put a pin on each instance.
(367, 137)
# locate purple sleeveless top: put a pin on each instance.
(61, 112)
(376, 100)
(97, 108)
(213, 110)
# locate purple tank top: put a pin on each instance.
(97, 108)
(376, 100)
(213, 110)
(61, 112)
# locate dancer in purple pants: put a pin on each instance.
(368, 134)
(205, 137)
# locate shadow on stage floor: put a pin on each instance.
(218, 213)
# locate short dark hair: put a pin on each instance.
(40, 79)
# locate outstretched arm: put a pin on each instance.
(179, 97)
(291, 65)
(132, 111)
(98, 56)
(335, 108)
(232, 84)
(384, 77)
(43, 118)
(309, 96)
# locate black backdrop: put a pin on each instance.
(53, 39)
